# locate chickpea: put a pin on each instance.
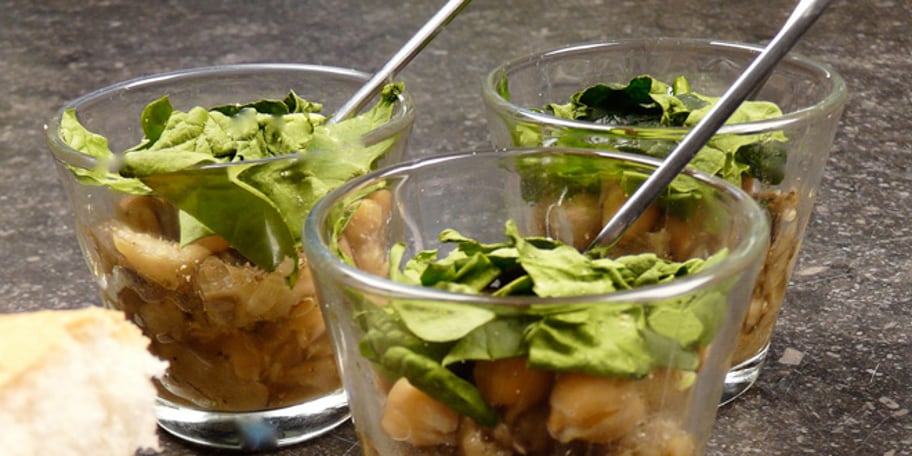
(574, 220)
(613, 199)
(365, 232)
(594, 409)
(412, 416)
(511, 384)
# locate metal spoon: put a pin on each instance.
(751, 79)
(408, 51)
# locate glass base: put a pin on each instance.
(741, 377)
(254, 431)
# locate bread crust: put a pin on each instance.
(28, 338)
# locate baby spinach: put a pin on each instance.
(257, 206)
(595, 339)
(73, 134)
(662, 108)
(429, 342)
(428, 375)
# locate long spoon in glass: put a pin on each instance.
(803, 16)
(399, 60)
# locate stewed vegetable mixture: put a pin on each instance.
(206, 259)
(757, 162)
(576, 378)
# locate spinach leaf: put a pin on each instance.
(191, 229)
(708, 308)
(187, 139)
(441, 321)
(428, 342)
(259, 209)
(440, 383)
(561, 271)
(500, 338)
(333, 155)
(668, 353)
(647, 102)
(397, 352)
(292, 103)
(212, 195)
(154, 117)
(676, 323)
(630, 104)
(82, 140)
(383, 328)
(596, 339)
(766, 160)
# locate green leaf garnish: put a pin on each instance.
(647, 102)
(211, 195)
(259, 209)
(429, 342)
(441, 322)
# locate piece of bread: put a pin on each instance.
(75, 382)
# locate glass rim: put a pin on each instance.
(832, 101)
(749, 250)
(73, 157)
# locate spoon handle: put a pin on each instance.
(408, 51)
(756, 73)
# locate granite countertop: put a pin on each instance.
(838, 380)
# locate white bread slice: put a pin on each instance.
(75, 382)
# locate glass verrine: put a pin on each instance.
(786, 176)
(442, 371)
(206, 258)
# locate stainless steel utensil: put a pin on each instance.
(802, 17)
(399, 60)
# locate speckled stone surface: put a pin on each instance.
(838, 380)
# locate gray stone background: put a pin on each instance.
(838, 378)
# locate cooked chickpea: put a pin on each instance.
(574, 220)
(412, 416)
(594, 409)
(365, 231)
(613, 199)
(510, 383)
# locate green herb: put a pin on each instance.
(258, 207)
(648, 102)
(76, 136)
(428, 375)
(428, 342)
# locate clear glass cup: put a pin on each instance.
(250, 361)
(811, 95)
(400, 408)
